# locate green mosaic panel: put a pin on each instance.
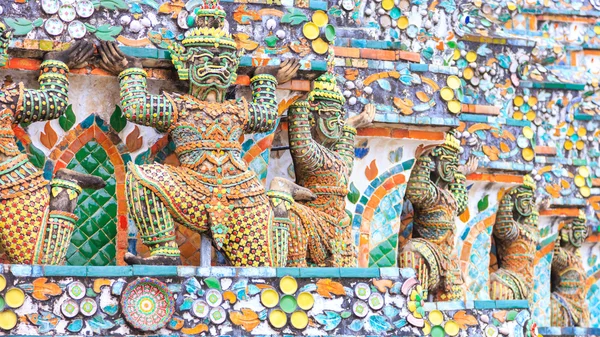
(384, 254)
(94, 239)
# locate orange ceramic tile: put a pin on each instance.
(571, 212)
(368, 214)
(24, 64)
(426, 135)
(374, 132)
(388, 184)
(596, 182)
(346, 52)
(400, 133)
(367, 53)
(243, 80)
(409, 56)
(399, 179)
(98, 71)
(545, 150)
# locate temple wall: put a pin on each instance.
(527, 96)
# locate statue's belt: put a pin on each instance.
(213, 145)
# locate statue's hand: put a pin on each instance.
(76, 55)
(113, 60)
(365, 118)
(286, 71)
(470, 166)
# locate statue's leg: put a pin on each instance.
(282, 195)
(414, 260)
(65, 189)
(344, 250)
(155, 225)
(504, 286)
(281, 203)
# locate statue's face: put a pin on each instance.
(524, 202)
(577, 233)
(329, 121)
(212, 68)
(446, 163)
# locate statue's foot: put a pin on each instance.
(159, 260)
(299, 193)
(82, 179)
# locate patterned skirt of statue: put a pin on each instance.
(320, 239)
(506, 284)
(236, 209)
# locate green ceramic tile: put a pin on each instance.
(94, 239)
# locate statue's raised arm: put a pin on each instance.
(138, 105)
(50, 100)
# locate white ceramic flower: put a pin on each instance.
(65, 13)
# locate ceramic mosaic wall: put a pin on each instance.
(519, 79)
(227, 301)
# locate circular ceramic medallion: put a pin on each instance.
(320, 18)
(200, 308)
(8, 320)
(306, 301)
(402, 22)
(454, 106)
(50, 6)
(528, 132)
(584, 171)
(585, 191)
(54, 26)
(376, 301)
(453, 82)
(277, 318)
(385, 21)
(269, 298)
(288, 285)
(76, 290)
(69, 308)
(67, 13)
(77, 29)
(387, 4)
(85, 8)
(362, 291)
(217, 315)
(329, 33)
(88, 307)
(14, 298)
(451, 328)
(471, 56)
(2, 282)
(437, 331)
(360, 309)
(147, 304)
(395, 13)
(436, 317)
(214, 297)
(579, 181)
(299, 320)
(412, 31)
(522, 142)
(468, 74)
(288, 304)
(320, 46)
(447, 93)
(310, 30)
(528, 154)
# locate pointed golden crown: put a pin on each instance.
(529, 182)
(582, 216)
(451, 143)
(208, 20)
(325, 87)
